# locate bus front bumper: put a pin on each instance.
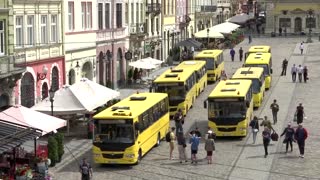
(126, 159)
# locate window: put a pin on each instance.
(127, 14)
(157, 25)
(71, 15)
(54, 28)
(19, 31)
(100, 19)
(285, 22)
(142, 12)
(89, 15)
(107, 14)
(132, 12)
(83, 15)
(137, 12)
(119, 15)
(172, 7)
(2, 38)
(310, 22)
(30, 30)
(168, 8)
(152, 25)
(164, 7)
(44, 30)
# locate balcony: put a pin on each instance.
(137, 29)
(154, 9)
(10, 65)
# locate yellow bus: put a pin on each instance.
(126, 131)
(215, 63)
(180, 84)
(255, 74)
(230, 107)
(258, 49)
(261, 60)
(201, 72)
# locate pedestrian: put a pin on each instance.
(85, 170)
(232, 53)
(274, 108)
(285, 31)
(182, 147)
(288, 138)
(179, 121)
(301, 47)
(266, 135)
(194, 141)
(172, 139)
(254, 124)
(294, 73)
(284, 67)
(250, 38)
(240, 53)
(300, 72)
(305, 74)
(300, 113)
(300, 136)
(280, 31)
(223, 75)
(266, 123)
(197, 132)
(210, 133)
(209, 147)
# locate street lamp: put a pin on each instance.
(51, 96)
(310, 17)
(208, 31)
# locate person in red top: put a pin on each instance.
(300, 136)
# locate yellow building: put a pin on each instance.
(292, 16)
(168, 26)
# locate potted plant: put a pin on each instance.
(23, 173)
(53, 150)
(59, 137)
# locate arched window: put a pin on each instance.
(27, 90)
(87, 70)
(44, 90)
(72, 77)
(4, 101)
(55, 79)
(101, 68)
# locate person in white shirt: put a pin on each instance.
(300, 71)
(301, 48)
(294, 73)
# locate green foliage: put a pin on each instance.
(130, 73)
(53, 150)
(59, 138)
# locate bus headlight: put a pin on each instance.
(129, 155)
(242, 129)
(95, 155)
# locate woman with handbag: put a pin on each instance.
(266, 135)
(181, 140)
(254, 124)
(209, 147)
(288, 132)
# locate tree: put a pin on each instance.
(59, 138)
(53, 150)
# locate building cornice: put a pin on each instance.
(81, 49)
(2, 10)
(36, 1)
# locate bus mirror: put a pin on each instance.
(186, 87)
(247, 104)
(271, 71)
(137, 126)
(205, 104)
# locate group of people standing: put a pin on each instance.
(301, 71)
(291, 134)
(177, 134)
(233, 53)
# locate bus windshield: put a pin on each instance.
(227, 109)
(209, 62)
(174, 92)
(256, 85)
(114, 131)
(264, 66)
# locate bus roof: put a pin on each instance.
(260, 48)
(131, 106)
(196, 65)
(248, 73)
(174, 75)
(209, 53)
(258, 58)
(231, 89)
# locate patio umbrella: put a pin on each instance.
(239, 18)
(151, 60)
(142, 65)
(189, 43)
(27, 117)
(212, 34)
(225, 28)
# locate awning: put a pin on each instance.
(212, 34)
(225, 28)
(189, 43)
(30, 118)
(12, 135)
(239, 18)
(142, 65)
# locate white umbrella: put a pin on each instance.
(225, 28)
(142, 65)
(212, 34)
(151, 60)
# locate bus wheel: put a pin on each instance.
(158, 140)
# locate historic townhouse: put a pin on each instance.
(191, 28)
(182, 18)
(10, 68)
(223, 11)
(38, 41)
(110, 40)
(80, 25)
(204, 12)
(169, 32)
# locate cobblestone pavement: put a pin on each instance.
(236, 158)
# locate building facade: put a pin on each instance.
(191, 22)
(292, 15)
(182, 19)
(169, 31)
(223, 11)
(38, 41)
(111, 66)
(80, 25)
(204, 14)
(10, 69)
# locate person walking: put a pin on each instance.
(300, 136)
(280, 31)
(181, 140)
(85, 170)
(299, 113)
(305, 74)
(266, 135)
(240, 53)
(209, 147)
(179, 121)
(284, 67)
(250, 38)
(232, 53)
(294, 73)
(172, 139)
(274, 108)
(288, 132)
(194, 141)
(301, 47)
(300, 72)
(266, 123)
(254, 124)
